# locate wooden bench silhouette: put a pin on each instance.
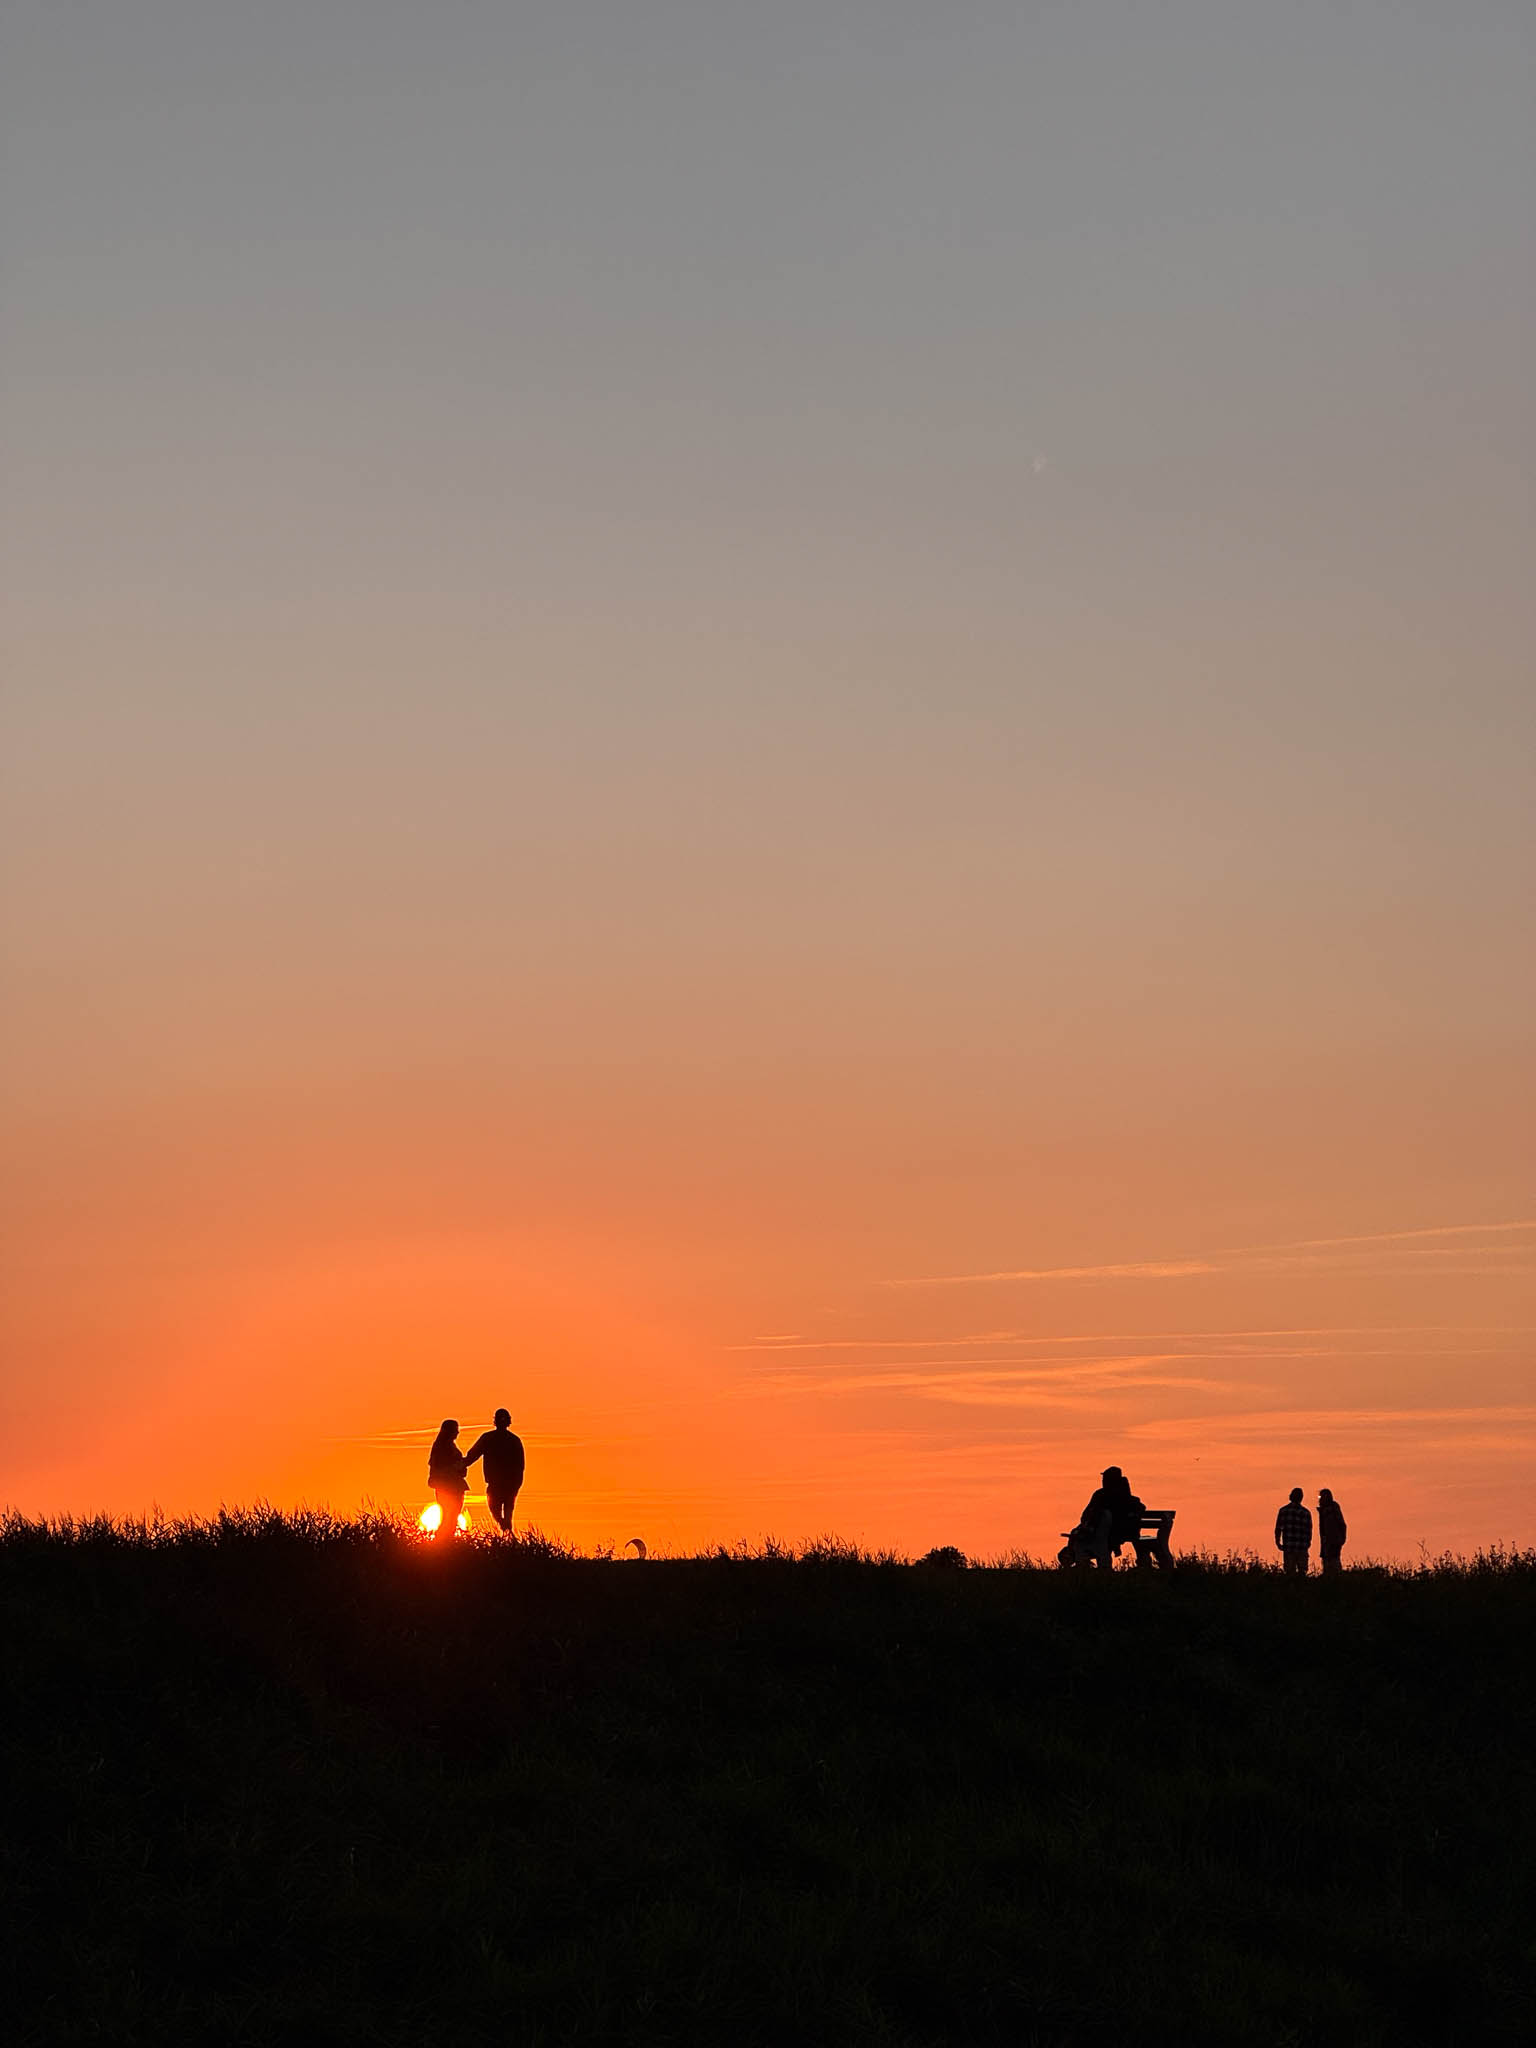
(1151, 1540)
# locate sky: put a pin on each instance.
(800, 735)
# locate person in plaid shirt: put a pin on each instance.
(1293, 1533)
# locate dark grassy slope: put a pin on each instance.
(268, 1789)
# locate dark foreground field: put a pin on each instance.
(294, 1782)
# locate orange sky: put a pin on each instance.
(769, 1330)
(801, 740)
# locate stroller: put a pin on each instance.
(1101, 1533)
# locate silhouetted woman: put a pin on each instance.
(448, 1476)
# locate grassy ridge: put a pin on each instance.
(292, 1779)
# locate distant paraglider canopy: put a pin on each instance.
(637, 1545)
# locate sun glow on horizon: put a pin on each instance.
(431, 1519)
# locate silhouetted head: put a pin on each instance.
(1110, 1473)
(450, 1428)
(1296, 1493)
(1325, 1494)
(502, 1419)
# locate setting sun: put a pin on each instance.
(431, 1519)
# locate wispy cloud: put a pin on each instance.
(1064, 1372)
(1277, 1425)
(409, 1439)
(1000, 1390)
(1027, 1338)
(967, 1390)
(1390, 1236)
(1081, 1382)
(1145, 1269)
(1236, 1258)
(422, 1435)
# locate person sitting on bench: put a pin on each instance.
(1111, 1518)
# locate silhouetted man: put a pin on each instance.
(504, 1462)
(1331, 1532)
(1293, 1534)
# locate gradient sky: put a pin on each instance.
(800, 734)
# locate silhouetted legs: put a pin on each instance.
(452, 1505)
(501, 1506)
(1296, 1560)
(1332, 1564)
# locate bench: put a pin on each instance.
(1151, 1540)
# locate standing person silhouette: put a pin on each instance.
(448, 1477)
(1293, 1534)
(1331, 1532)
(504, 1466)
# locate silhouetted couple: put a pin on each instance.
(1293, 1533)
(448, 1472)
